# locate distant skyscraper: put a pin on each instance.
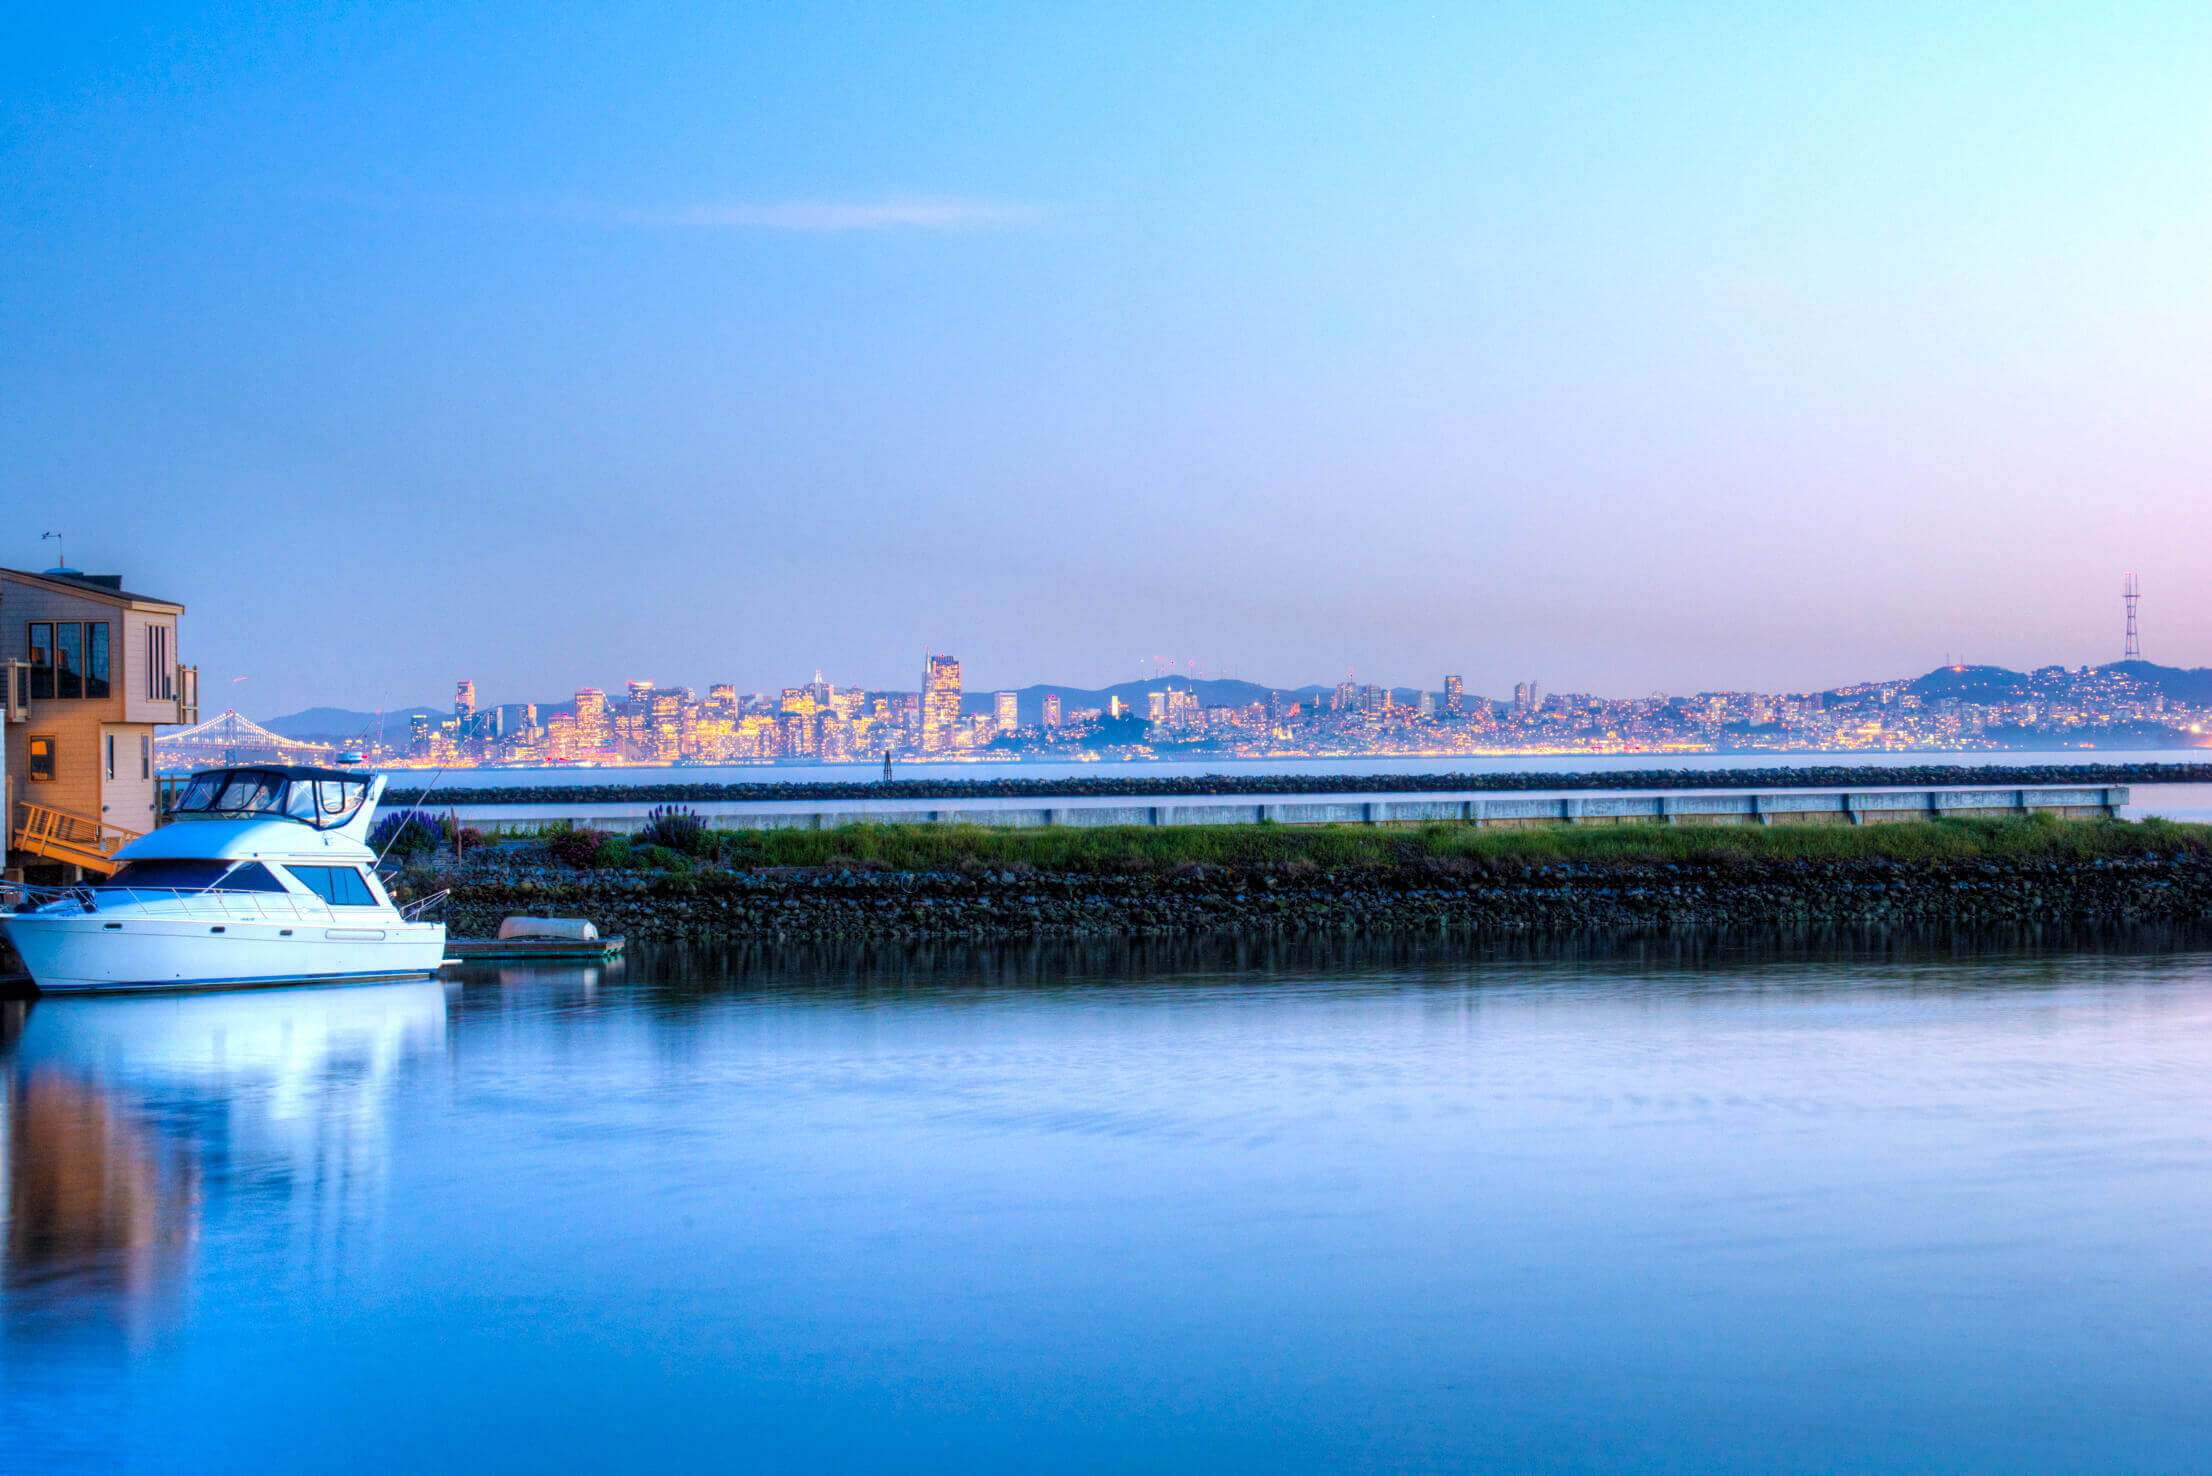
(639, 691)
(940, 702)
(464, 701)
(1455, 695)
(592, 728)
(1052, 709)
(1155, 707)
(1005, 710)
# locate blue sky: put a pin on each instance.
(1627, 348)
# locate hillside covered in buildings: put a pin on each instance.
(2130, 704)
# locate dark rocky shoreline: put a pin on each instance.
(834, 904)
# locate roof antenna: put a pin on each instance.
(61, 563)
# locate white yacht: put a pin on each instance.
(262, 876)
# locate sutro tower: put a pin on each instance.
(2131, 591)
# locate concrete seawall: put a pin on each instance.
(1486, 808)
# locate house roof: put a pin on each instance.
(96, 585)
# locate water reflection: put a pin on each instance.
(1831, 1201)
(674, 974)
(120, 1118)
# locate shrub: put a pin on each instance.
(574, 847)
(616, 851)
(405, 834)
(676, 828)
(659, 858)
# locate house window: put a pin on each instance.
(41, 752)
(96, 659)
(69, 659)
(145, 755)
(161, 676)
(41, 642)
(110, 754)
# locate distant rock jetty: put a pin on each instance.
(1810, 776)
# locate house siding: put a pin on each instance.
(79, 726)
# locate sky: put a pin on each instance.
(1626, 348)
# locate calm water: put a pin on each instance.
(1394, 1209)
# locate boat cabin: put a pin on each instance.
(323, 798)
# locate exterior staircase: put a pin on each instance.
(57, 835)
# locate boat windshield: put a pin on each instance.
(320, 800)
(163, 874)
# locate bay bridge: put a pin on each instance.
(231, 738)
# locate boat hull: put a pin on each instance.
(79, 954)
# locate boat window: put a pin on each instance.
(340, 886)
(339, 798)
(200, 793)
(251, 791)
(251, 876)
(168, 875)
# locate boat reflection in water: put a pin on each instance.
(121, 1116)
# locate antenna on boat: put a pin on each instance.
(401, 828)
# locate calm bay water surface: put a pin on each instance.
(1383, 1207)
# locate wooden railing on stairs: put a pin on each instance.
(57, 835)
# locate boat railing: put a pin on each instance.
(210, 903)
(414, 910)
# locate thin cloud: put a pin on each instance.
(830, 216)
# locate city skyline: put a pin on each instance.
(2130, 703)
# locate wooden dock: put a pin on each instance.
(499, 950)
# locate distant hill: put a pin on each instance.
(1989, 685)
(339, 724)
(1986, 685)
(2190, 684)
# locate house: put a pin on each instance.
(98, 671)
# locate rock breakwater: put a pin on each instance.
(835, 903)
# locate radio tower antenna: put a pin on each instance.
(2131, 590)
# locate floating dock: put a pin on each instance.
(500, 950)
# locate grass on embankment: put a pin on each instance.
(1139, 849)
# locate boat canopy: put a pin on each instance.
(323, 798)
